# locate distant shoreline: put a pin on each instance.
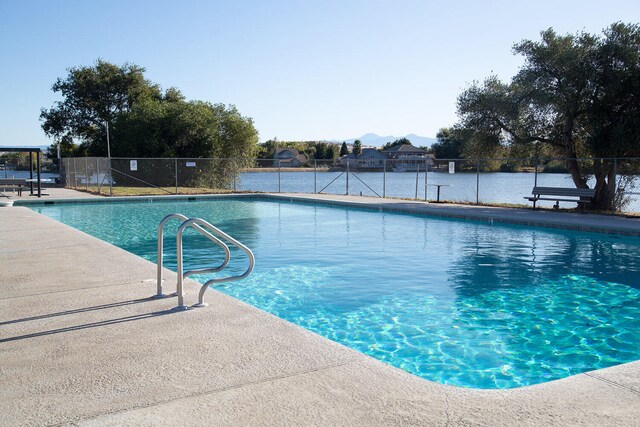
(299, 169)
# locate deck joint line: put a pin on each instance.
(596, 377)
(223, 389)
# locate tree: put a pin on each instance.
(93, 98)
(577, 95)
(143, 121)
(326, 151)
(157, 128)
(449, 145)
(357, 147)
(400, 141)
(344, 150)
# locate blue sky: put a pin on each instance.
(303, 70)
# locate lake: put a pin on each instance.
(491, 187)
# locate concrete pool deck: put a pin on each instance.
(82, 344)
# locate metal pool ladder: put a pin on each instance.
(210, 232)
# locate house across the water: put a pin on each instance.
(401, 158)
(407, 158)
(288, 158)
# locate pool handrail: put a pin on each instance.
(211, 237)
(205, 227)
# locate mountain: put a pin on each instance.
(375, 140)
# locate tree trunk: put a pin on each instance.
(605, 186)
(576, 174)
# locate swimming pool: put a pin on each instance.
(464, 303)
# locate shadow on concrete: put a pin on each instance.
(91, 325)
(81, 310)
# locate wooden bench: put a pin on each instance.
(13, 184)
(559, 194)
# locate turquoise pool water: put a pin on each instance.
(463, 303)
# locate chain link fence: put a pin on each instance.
(504, 182)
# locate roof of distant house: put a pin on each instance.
(282, 150)
(371, 153)
(404, 148)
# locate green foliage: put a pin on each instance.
(318, 150)
(94, 97)
(449, 145)
(357, 147)
(344, 150)
(326, 151)
(555, 166)
(67, 148)
(400, 141)
(575, 96)
(143, 121)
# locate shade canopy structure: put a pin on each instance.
(31, 151)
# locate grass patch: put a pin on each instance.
(153, 191)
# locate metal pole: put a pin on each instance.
(417, 174)
(108, 142)
(615, 178)
(315, 178)
(31, 171)
(347, 177)
(98, 173)
(175, 167)
(110, 178)
(235, 171)
(535, 176)
(384, 178)
(279, 176)
(39, 174)
(75, 174)
(426, 166)
(86, 172)
(478, 182)
(109, 157)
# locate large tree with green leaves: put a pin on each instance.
(93, 97)
(576, 95)
(449, 146)
(143, 121)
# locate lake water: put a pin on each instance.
(9, 173)
(495, 187)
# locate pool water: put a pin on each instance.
(470, 304)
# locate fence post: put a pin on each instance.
(347, 177)
(235, 171)
(384, 178)
(477, 181)
(535, 176)
(615, 187)
(110, 178)
(98, 174)
(278, 175)
(315, 180)
(75, 174)
(62, 172)
(175, 166)
(426, 166)
(417, 174)
(86, 172)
